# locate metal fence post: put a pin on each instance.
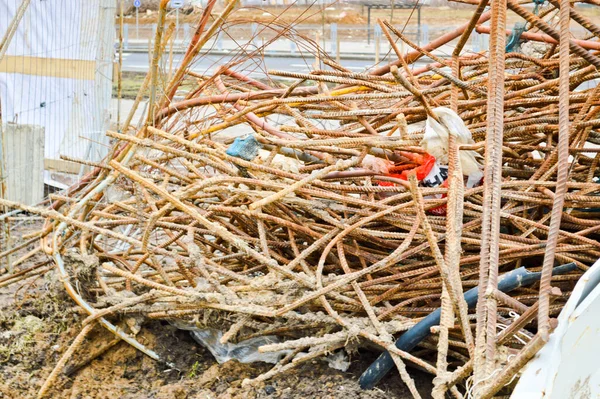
(186, 32)
(369, 25)
(377, 34)
(425, 33)
(254, 30)
(125, 36)
(334, 40)
(475, 42)
(220, 41)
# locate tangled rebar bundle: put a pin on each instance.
(320, 225)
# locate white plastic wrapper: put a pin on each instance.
(279, 161)
(247, 351)
(244, 352)
(436, 176)
(435, 140)
(338, 360)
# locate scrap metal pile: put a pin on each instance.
(353, 206)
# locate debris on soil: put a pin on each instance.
(37, 324)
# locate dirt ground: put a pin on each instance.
(38, 321)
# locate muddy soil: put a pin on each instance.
(38, 321)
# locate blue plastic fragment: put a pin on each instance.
(515, 36)
(244, 147)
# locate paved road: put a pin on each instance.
(138, 62)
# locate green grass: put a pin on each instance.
(194, 370)
(130, 85)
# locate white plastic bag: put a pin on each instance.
(244, 351)
(435, 140)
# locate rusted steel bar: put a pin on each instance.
(448, 37)
(543, 26)
(540, 37)
(485, 348)
(562, 172)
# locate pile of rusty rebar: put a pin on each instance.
(315, 225)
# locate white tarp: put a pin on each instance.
(57, 73)
(567, 366)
